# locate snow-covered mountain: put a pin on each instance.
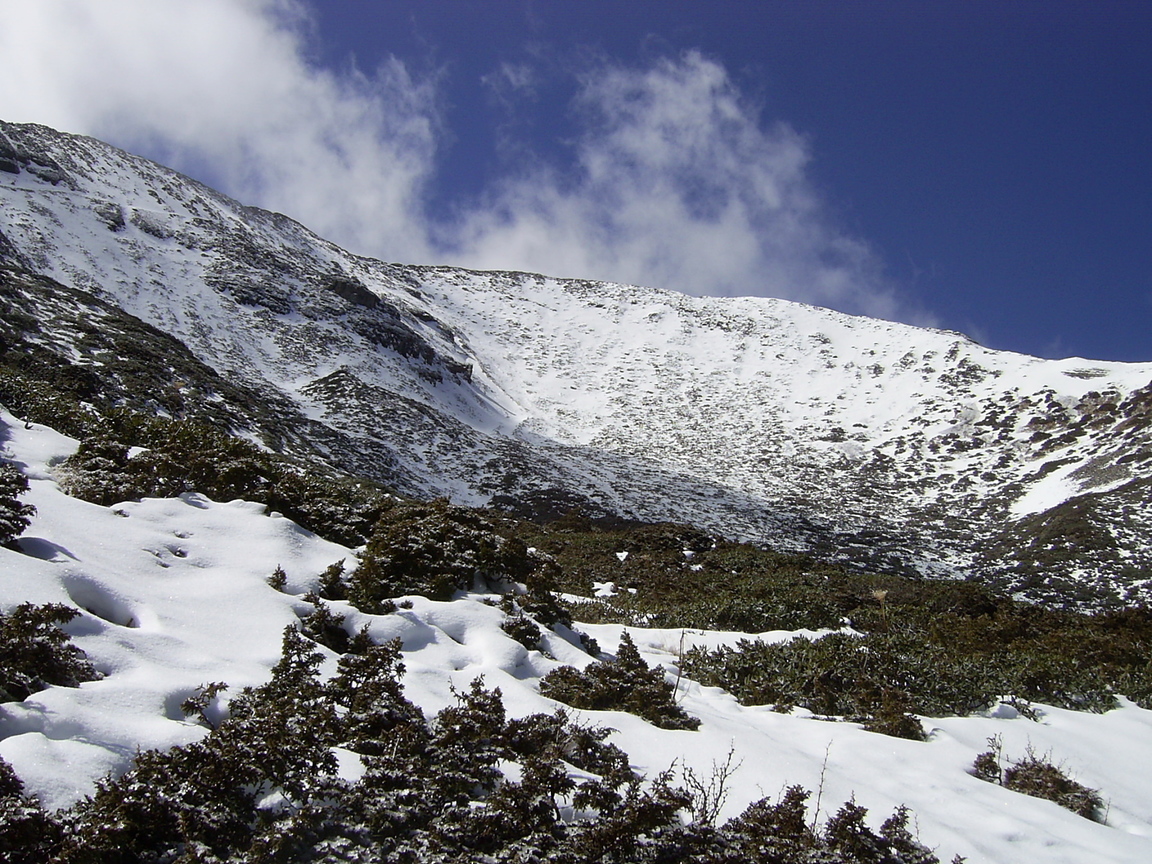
(882, 445)
(893, 447)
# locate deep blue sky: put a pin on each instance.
(997, 156)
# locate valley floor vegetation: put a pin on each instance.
(895, 646)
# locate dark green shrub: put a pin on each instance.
(270, 718)
(782, 832)
(684, 578)
(1037, 776)
(325, 626)
(14, 516)
(179, 456)
(523, 629)
(28, 834)
(625, 683)
(367, 687)
(985, 644)
(198, 704)
(934, 652)
(892, 717)
(278, 579)
(10, 784)
(189, 456)
(435, 550)
(339, 508)
(332, 585)
(206, 796)
(35, 653)
(40, 401)
(468, 742)
(261, 787)
(878, 680)
(637, 822)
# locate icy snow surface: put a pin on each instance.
(174, 596)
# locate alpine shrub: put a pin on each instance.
(14, 516)
(368, 690)
(931, 662)
(523, 629)
(218, 795)
(28, 834)
(35, 653)
(782, 833)
(324, 625)
(261, 786)
(332, 585)
(1037, 776)
(179, 456)
(434, 550)
(625, 683)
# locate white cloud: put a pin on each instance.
(676, 181)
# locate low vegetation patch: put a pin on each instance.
(941, 665)
(916, 646)
(623, 683)
(36, 653)
(677, 576)
(1037, 776)
(156, 457)
(256, 790)
(435, 550)
(128, 454)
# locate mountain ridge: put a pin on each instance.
(874, 443)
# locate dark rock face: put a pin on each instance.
(25, 154)
(354, 292)
(79, 345)
(112, 215)
(8, 253)
(9, 156)
(270, 297)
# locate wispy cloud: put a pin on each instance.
(676, 181)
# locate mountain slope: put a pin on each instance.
(888, 446)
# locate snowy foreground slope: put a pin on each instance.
(174, 596)
(887, 446)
